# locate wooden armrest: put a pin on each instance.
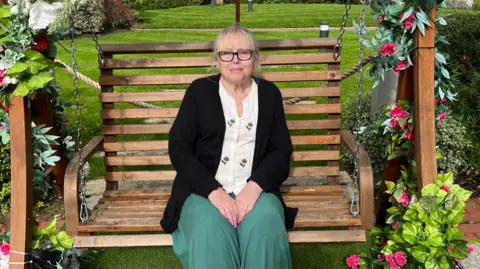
(71, 183)
(365, 178)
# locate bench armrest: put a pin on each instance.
(365, 179)
(71, 198)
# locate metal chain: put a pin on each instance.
(101, 57)
(76, 84)
(354, 206)
(338, 48)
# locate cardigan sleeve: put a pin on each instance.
(181, 148)
(274, 167)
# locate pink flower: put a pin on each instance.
(387, 49)
(2, 128)
(404, 200)
(6, 108)
(2, 73)
(457, 260)
(352, 261)
(391, 261)
(398, 112)
(410, 135)
(408, 23)
(383, 241)
(5, 249)
(401, 260)
(471, 250)
(445, 188)
(381, 257)
(400, 66)
(395, 225)
(379, 19)
(450, 249)
(442, 116)
(393, 123)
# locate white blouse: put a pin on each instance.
(239, 144)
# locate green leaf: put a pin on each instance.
(22, 89)
(395, 154)
(411, 214)
(460, 250)
(52, 226)
(430, 4)
(421, 28)
(393, 210)
(391, 219)
(40, 80)
(390, 186)
(53, 239)
(65, 240)
(440, 58)
(420, 253)
(398, 193)
(6, 39)
(435, 240)
(442, 21)
(455, 217)
(422, 17)
(445, 73)
(410, 232)
(33, 55)
(454, 233)
(461, 194)
(450, 201)
(16, 69)
(36, 66)
(430, 190)
(407, 14)
(5, 12)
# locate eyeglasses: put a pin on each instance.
(242, 55)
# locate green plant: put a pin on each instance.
(476, 5)
(420, 233)
(142, 5)
(118, 15)
(49, 239)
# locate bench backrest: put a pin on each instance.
(158, 73)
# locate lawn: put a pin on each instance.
(304, 255)
(263, 16)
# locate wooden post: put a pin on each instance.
(237, 11)
(44, 114)
(22, 181)
(424, 110)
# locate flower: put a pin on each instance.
(379, 19)
(395, 225)
(404, 200)
(2, 128)
(42, 14)
(352, 261)
(445, 188)
(450, 249)
(383, 241)
(400, 66)
(6, 108)
(387, 49)
(410, 135)
(398, 112)
(442, 116)
(5, 249)
(393, 123)
(2, 78)
(391, 261)
(381, 257)
(400, 259)
(464, 58)
(41, 43)
(471, 250)
(408, 23)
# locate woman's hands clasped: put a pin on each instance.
(236, 209)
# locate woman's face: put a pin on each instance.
(235, 59)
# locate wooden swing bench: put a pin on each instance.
(314, 184)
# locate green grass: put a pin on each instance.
(263, 16)
(304, 256)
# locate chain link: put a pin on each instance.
(338, 47)
(101, 57)
(354, 207)
(76, 85)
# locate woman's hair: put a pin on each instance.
(236, 28)
(222, 38)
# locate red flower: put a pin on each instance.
(352, 261)
(379, 19)
(41, 43)
(383, 241)
(395, 225)
(398, 113)
(450, 249)
(401, 260)
(445, 188)
(410, 135)
(381, 257)
(6, 108)
(5, 248)
(404, 200)
(387, 49)
(391, 261)
(401, 65)
(464, 58)
(442, 116)
(2, 73)
(408, 23)
(393, 123)
(471, 250)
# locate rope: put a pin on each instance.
(291, 101)
(345, 75)
(97, 86)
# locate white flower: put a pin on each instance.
(14, 10)
(5, 64)
(42, 14)
(9, 80)
(68, 142)
(4, 261)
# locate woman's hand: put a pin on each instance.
(247, 198)
(225, 204)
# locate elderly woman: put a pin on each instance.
(231, 149)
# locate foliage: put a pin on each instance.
(50, 239)
(118, 15)
(355, 2)
(476, 5)
(458, 4)
(141, 5)
(421, 233)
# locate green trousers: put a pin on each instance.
(206, 240)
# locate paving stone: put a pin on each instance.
(473, 260)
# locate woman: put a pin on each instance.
(231, 149)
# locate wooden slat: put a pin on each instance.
(169, 47)
(165, 128)
(172, 112)
(151, 240)
(188, 78)
(170, 175)
(163, 144)
(177, 62)
(177, 95)
(317, 155)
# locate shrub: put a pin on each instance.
(4, 178)
(141, 5)
(291, 1)
(118, 15)
(90, 13)
(476, 5)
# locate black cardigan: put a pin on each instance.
(196, 139)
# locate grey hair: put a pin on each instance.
(237, 29)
